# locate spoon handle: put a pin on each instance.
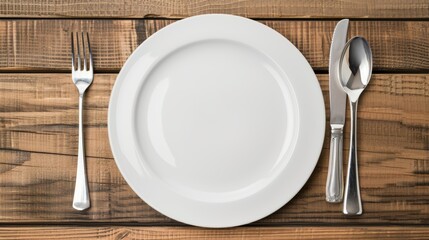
(352, 201)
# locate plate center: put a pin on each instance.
(214, 116)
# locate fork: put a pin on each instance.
(82, 75)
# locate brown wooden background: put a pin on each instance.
(39, 116)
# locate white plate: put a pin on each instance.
(216, 121)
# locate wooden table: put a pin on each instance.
(39, 117)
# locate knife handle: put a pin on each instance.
(334, 182)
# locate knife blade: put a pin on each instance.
(337, 97)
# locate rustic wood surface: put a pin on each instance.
(39, 116)
(184, 8)
(38, 146)
(248, 233)
(398, 46)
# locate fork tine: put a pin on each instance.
(78, 52)
(72, 51)
(90, 52)
(83, 52)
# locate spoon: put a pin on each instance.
(355, 73)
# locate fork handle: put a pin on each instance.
(81, 194)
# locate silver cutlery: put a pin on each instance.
(82, 75)
(355, 71)
(334, 181)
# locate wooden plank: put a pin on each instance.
(398, 46)
(38, 146)
(248, 233)
(24, 43)
(391, 9)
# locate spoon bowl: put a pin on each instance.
(355, 67)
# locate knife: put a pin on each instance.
(337, 97)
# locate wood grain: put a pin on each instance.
(398, 46)
(248, 233)
(38, 146)
(380, 9)
(39, 116)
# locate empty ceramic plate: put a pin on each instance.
(216, 121)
